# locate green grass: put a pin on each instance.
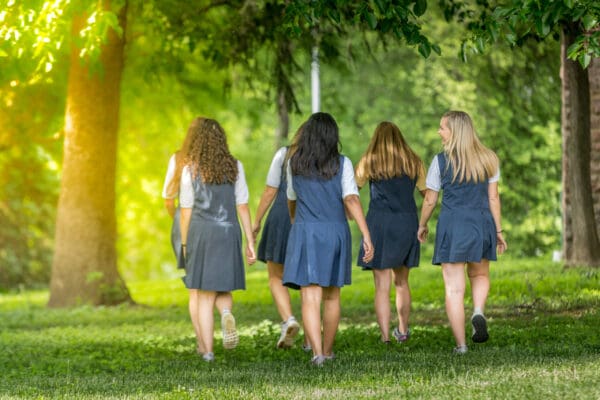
(543, 323)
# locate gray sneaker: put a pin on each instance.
(480, 332)
(289, 330)
(208, 357)
(317, 360)
(401, 337)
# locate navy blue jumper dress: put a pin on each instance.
(319, 245)
(393, 224)
(274, 238)
(214, 243)
(465, 231)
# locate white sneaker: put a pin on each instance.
(230, 336)
(208, 357)
(460, 349)
(289, 330)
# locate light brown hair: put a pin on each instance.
(388, 156)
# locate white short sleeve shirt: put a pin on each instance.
(169, 177)
(186, 190)
(349, 186)
(434, 178)
(274, 175)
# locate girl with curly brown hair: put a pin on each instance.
(213, 187)
(170, 195)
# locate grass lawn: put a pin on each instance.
(544, 326)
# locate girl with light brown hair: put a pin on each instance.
(393, 171)
(469, 228)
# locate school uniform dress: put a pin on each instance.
(214, 243)
(175, 230)
(393, 224)
(274, 238)
(319, 244)
(465, 231)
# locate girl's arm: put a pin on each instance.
(292, 209)
(265, 202)
(352, 204)
(495, 207)
(184, 225)
(429, 202)
(170, 206)
(244, 213)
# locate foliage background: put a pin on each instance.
(512, 95)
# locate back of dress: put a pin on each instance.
(214, 260)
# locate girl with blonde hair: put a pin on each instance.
(393, 171)
(469, 228)
(212, 193)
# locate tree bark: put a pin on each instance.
(283, 112)
(580, 238)
(594, 78)
(84, 268)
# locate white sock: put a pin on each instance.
(225, 311)
(477, 311)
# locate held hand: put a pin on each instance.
(255, 229)
(250, 254)
(501, 243)
(422, 233)
(369, 250)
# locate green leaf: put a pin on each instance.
(436, 49)
(542, 27)
(381, 5)
(573, 49)
(585, 60)
(420, 7)
(463, 51)
(589, 22)
(371, 19)
(569, 3)
(424, 49)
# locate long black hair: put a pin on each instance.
(316, 154)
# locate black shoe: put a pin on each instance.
(480, 332)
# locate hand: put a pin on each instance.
(501, 243)
(422, 233)
(250, 254)
(369, 250)
(255, 229)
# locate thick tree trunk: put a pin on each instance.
(594, 78)
(580, 245)
(84, 268)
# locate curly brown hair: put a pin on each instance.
(206, 153)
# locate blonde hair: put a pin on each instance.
(206, 153)
(388, 156)
(469, 158)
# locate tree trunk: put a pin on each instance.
(284, 120)
(580, 238)
(84, 269)
(594, 78)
